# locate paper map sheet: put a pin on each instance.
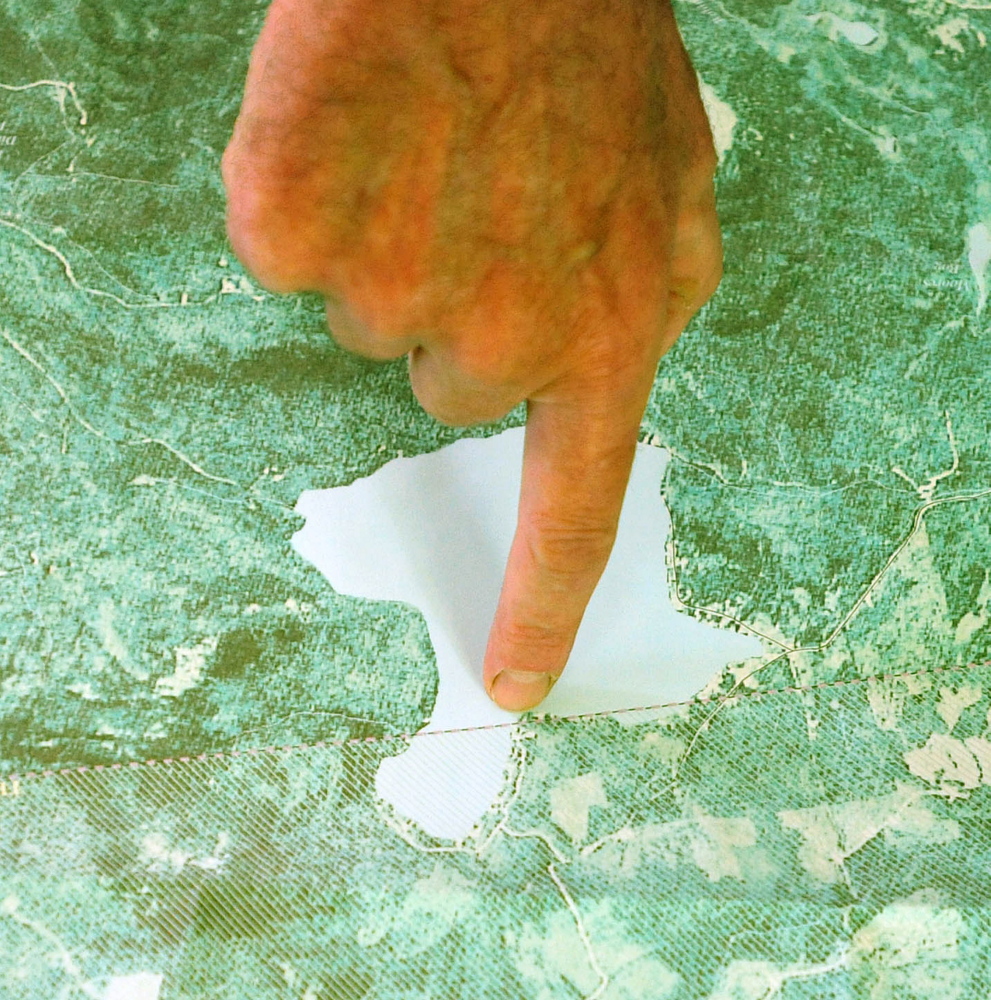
(197, 727)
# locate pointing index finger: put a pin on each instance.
(577, 457)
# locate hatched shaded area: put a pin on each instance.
(710, 846)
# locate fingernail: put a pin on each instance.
(518, 690)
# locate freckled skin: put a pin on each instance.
(518, 196)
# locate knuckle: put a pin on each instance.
(462, 412)
(536, 637)
(436, 404)
(464, 408)
(228, 167)
(266, 264)
(612, 364)
(692, 292)
(492, 411)
(698, 179)
(697, 259)
(570, 547)
(264, 229)
(714, 279)
(707, 161)
(265, 255)
(493, 363)
(710, 273)
(444, 415)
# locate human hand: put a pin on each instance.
(518, 196)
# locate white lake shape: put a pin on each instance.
(434, 531)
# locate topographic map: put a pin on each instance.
(193, 720)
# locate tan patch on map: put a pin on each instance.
(571, 800)
(952, 703)
(832, 833)
(956, 766)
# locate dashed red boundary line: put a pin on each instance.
(537, 718)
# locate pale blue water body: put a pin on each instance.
(979, 257)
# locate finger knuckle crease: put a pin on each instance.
(531, 636)
(564, 548)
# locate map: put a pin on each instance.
(434, 532)
(197, 724)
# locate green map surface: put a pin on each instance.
(190, 717)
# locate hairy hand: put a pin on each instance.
(516, 195)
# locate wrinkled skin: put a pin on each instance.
(518, 196)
